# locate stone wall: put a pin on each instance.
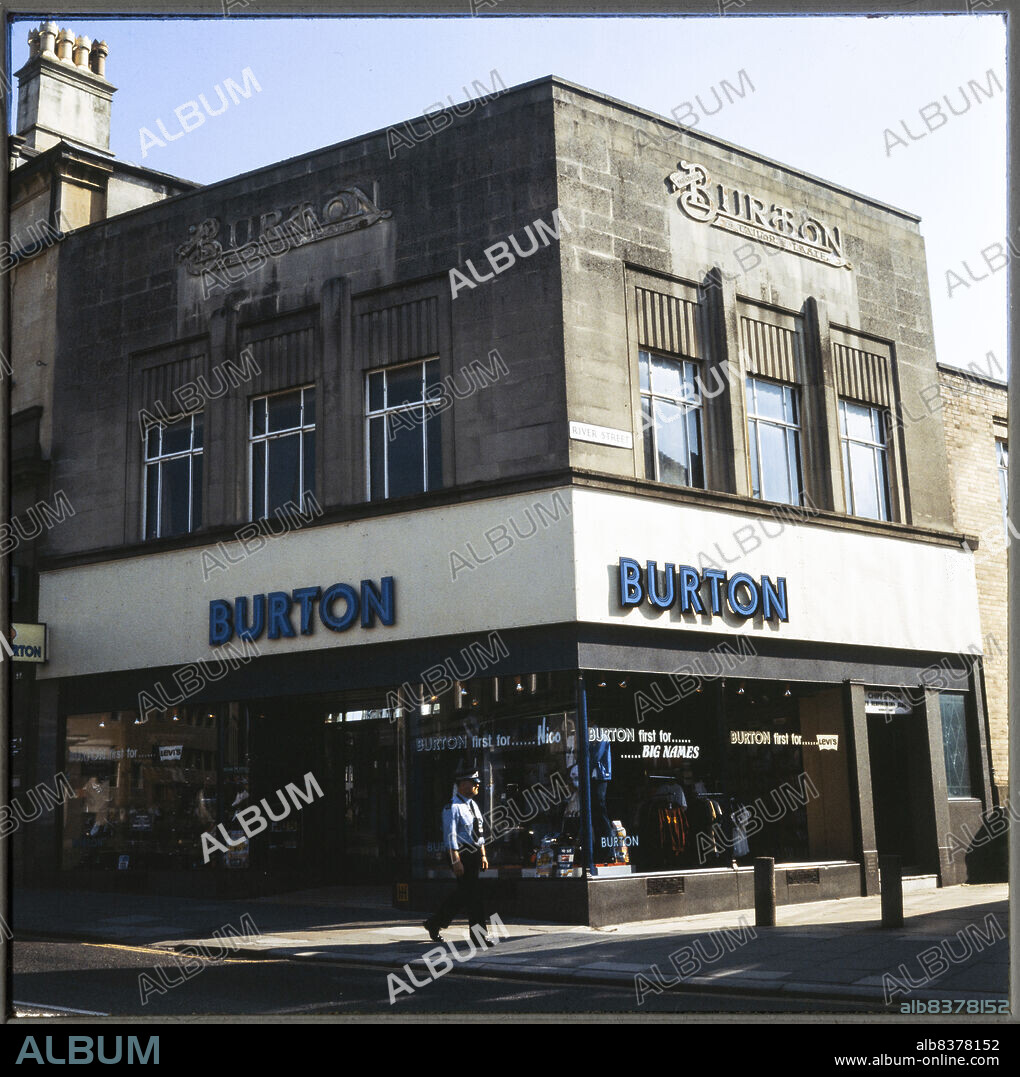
(614, 162)
(446, 197)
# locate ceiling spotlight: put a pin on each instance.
(623, 684)
(102, 723)
(787, 692)
(519, 687)
(602, 684)
(740, 690)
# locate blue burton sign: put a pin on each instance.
(681, 586)
(273, 613)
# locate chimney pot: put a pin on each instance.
(82, 47)
(33, 44)
(65, 42)
(47, 40)
(97, 58)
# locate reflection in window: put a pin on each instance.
(686, 783)
(671, 420)
(402, 429)
(172, 503)
(518, 732)
(146, 791)
(862, 432)
(282, 447)
(954, 744)
(773, 437)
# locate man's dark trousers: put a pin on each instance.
(467, 896)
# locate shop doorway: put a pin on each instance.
(352, 833)
(361, 748)
(287, 746)
(903, 815)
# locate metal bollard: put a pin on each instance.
(890, 870)
(764, 891)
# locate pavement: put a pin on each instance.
(950, 947)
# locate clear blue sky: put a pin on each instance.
(825, 90)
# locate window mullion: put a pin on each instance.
(790, 448)
(879, 485)
(655, 432)
(159, 500)
(761, 459)
(796, 464)
(424, 440)
(853, 475)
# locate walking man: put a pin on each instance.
(464, 842)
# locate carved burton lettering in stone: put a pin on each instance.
(732, 209)
(347, 211)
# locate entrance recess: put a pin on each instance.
(361, 750)
(904, 825)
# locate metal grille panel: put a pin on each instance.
(398, 334)
(667, 323)
(862, 375)
(771, 351)
(159, 383)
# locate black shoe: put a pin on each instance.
(433, 931)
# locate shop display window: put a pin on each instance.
(145, 790)
(954, 744)
(519, 733)
(236, 781)
(689, 774)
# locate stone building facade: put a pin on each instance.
(562, 444)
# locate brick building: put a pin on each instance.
(974, 411)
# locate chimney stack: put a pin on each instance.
(63, 94)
